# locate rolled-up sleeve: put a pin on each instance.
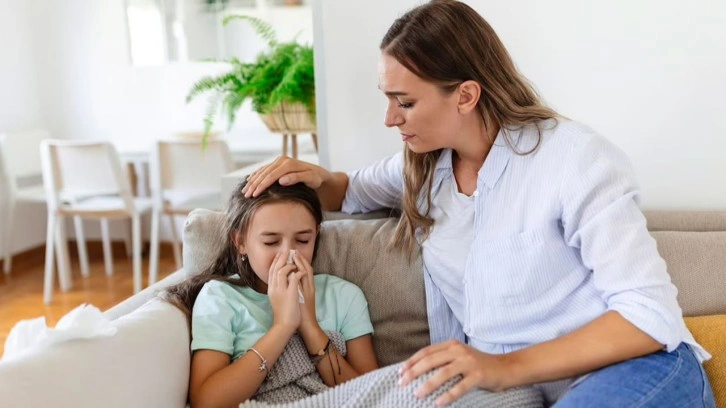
(601, 217)
(375, 187)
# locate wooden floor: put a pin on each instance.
(21, 292)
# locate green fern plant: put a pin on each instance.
(283, 73)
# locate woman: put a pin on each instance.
(538, 264)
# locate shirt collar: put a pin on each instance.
(498, 158)
(444, 161)
(495, 163)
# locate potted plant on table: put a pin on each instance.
(280, 83)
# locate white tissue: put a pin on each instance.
(83, 322)
(300, 297)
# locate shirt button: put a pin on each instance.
(476, 193)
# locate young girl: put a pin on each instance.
(260, 299)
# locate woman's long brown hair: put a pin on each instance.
(446, 43)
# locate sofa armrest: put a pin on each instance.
(145, 364)
(137, 300)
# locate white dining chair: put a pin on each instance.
(184, 175)
(85, 179)
(21, 183)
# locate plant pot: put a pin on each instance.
(289, 119)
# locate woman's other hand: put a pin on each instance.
(288, 171)
(282, 289)
(453, 358)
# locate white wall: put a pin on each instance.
(648, 75)
(19, 107)
(350, 107)
(19, 102)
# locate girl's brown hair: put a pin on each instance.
(229, 262)
(446, 43)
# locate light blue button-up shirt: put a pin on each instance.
(559, 239)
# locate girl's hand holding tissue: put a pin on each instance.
(282, 283)
(309, 319)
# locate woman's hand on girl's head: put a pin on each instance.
(453, 358)
(307, 286)
(288, 171)
(282, 284)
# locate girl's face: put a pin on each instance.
(278, 228)
(427, 119)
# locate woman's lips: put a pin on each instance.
(405, 137)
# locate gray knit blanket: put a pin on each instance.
(294, 377)
(294, 382)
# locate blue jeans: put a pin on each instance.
(660, 379)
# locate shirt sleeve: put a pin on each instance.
(212, 320)
(375, 187)
(356, 321)
(601, 217)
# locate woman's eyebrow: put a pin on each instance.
(393, 93)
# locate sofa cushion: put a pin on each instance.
(123, 370)
(202, 237)
(710, 332)
(668, 220)
(355, 250)
(694, 258)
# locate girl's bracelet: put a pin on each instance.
(317, 357)
(263, 362)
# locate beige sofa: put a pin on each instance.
(146, 364)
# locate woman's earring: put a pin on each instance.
(244, 257)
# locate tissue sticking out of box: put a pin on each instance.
(290, 260)
(83, 322)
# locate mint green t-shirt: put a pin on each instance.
(231, 319)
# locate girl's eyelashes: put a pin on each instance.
(300, 241)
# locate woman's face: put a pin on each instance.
(427, 119)
(278, 228)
